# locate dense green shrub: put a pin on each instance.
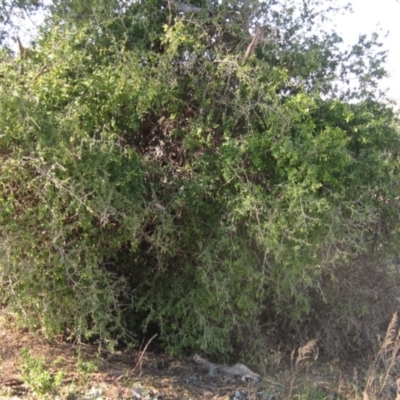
(149, 176)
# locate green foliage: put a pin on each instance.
(149, 176)
(310, 393)
(35, 374)
(86, 367)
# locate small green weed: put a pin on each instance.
(310, 393)
(85, 368)
(37, 377)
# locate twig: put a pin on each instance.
(41, 71)
(139, 362)
(137, 395)
(212, 388)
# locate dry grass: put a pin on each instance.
(370, 378)
(383, 376)
(305, 355)
(312, 376)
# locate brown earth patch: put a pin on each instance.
(134, 375)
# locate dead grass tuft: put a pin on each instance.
(356, 307)
(382, 379)
(305, 355)
(391, 338)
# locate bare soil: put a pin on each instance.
(144, 375)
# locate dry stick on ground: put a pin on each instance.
(139, 362)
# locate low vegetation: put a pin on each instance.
(51, 370)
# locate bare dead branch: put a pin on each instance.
(139, 362)
(256, 39)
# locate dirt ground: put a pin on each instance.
(85, 374)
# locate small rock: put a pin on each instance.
(94, 394)
(240, 395)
